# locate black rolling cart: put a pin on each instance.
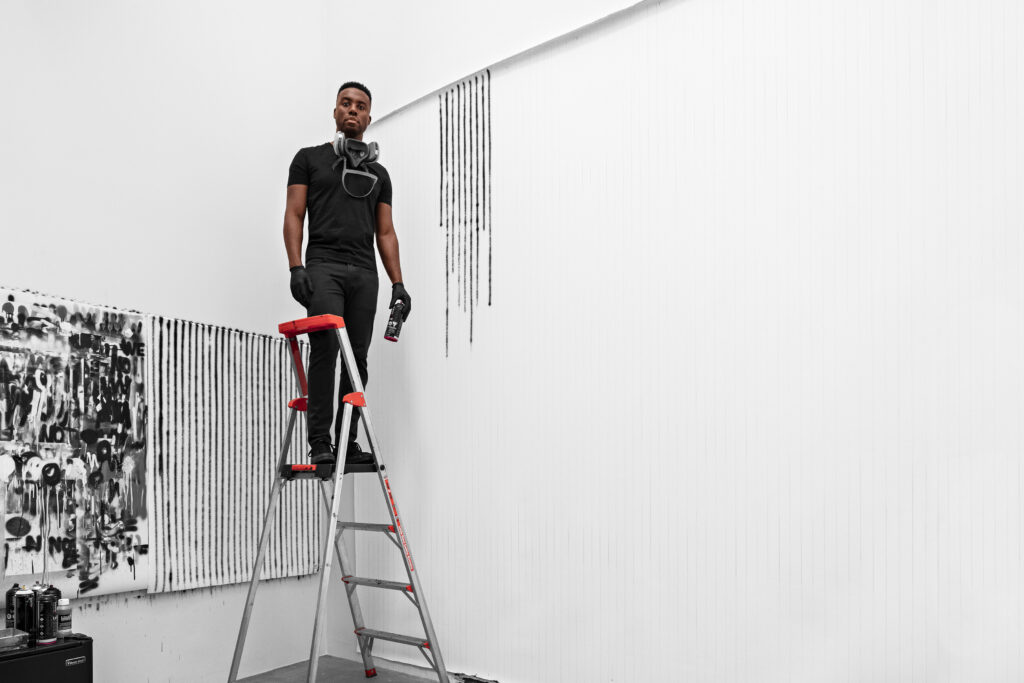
(67, 661)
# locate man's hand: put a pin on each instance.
(398, 293)
(302, 286)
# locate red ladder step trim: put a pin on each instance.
(317, 323)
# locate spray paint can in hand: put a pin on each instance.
(9, 606)
(395, 321)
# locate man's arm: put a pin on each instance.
(387, 242)
(294, 215)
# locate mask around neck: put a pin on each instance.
(356, 151)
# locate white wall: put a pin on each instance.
(747, 404)
(403, 50)
(146, 151)
(832, 420)
(145, 154)
(146, 146)
(145, 157)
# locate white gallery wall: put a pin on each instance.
(746, 403)
(145, 149)
(403, 50)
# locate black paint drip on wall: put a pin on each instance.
(464, 124)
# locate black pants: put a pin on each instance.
(351, 292)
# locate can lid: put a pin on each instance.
(63, 601)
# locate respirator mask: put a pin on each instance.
(352, 154)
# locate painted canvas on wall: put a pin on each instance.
(73, 445)
(219, 412)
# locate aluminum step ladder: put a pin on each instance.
(394, 531)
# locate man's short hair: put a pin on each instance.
(359, 86)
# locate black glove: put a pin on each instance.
(398, 293)
(302, 286)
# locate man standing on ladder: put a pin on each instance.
(348, 197)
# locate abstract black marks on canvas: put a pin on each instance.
(464, 114)
(73, 451)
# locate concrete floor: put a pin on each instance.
(336, 669)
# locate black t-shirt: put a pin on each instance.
(341, 227)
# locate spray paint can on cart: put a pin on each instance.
(394, 327)
(64, 627)
(9, 606)
(25, 612)
(46, 611)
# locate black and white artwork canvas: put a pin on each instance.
(73, 448)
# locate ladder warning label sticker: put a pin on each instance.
(398, 524)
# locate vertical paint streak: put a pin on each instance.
(472, 209)
(450, 208)
(477, 187)
(219, 451)
(204, 456)
(463, 224)
(160, 513)
(284, 558)
(234, 569)
(263, 468)
(276, 406)
(250, 450)
(177, 527)
(247, 558)
(456, 198)
(191, 463)
(446, 217)
(172, 443)
(490, 228)
(250, 426)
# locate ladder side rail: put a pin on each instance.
(300, 373)
(268, 518)
(406, 550)
(328, 557)
(357, 384)
(341, 551)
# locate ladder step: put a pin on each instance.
(393, 637)
(363, 526)
(296, 471)
(378, 583)
(361, 468)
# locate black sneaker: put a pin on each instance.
(356, 456)
(321, 453)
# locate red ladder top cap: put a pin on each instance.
(317, 323)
